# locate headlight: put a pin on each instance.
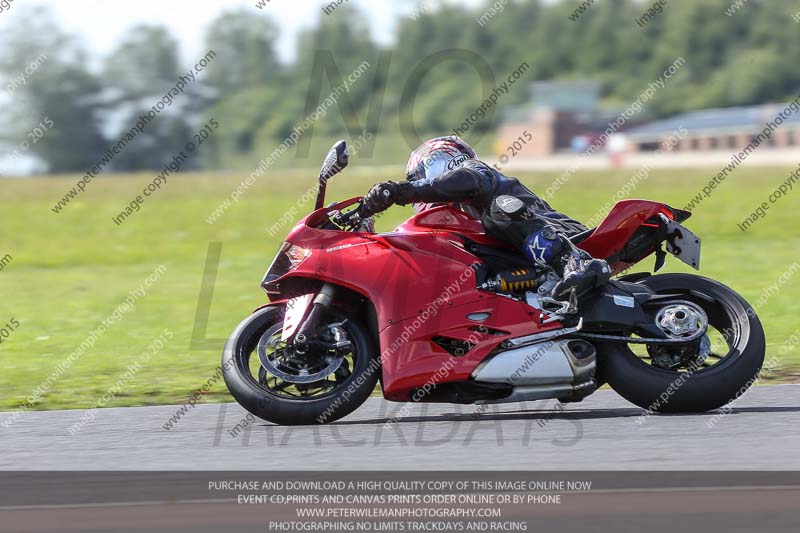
(289, 257)
(296, 255)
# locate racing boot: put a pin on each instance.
(581, 274)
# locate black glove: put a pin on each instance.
(379, 198)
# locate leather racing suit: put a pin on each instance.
(529, 223)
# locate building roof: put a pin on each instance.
(575, 96)
(725, 121)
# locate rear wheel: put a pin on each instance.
(704, 377)
(275, 382)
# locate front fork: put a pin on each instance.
(303, 315)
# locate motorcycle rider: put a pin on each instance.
(447, 170)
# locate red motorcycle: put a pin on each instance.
(439, 312)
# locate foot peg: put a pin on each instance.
(581, 276)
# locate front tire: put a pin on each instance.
(706, 388)
(252, 389)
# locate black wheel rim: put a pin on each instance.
(278, 385)
(723, 337)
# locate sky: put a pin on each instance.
(102, 23)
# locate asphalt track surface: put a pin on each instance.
(171, 492)
(604, 432)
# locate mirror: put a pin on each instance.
(335, 161)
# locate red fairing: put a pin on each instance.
(448, 218)
(421, 280)
(614, 232)
(411, 359)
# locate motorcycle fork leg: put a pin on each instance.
(321, 303)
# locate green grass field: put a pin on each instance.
(70, 271)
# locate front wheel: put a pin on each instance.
(276, 383)
(718, 370)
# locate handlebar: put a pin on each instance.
(352, 218)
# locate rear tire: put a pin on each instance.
(668, 391)
(268, 405)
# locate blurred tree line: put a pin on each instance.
(407, 93)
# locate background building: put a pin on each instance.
(562, 116)
(727, 129)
